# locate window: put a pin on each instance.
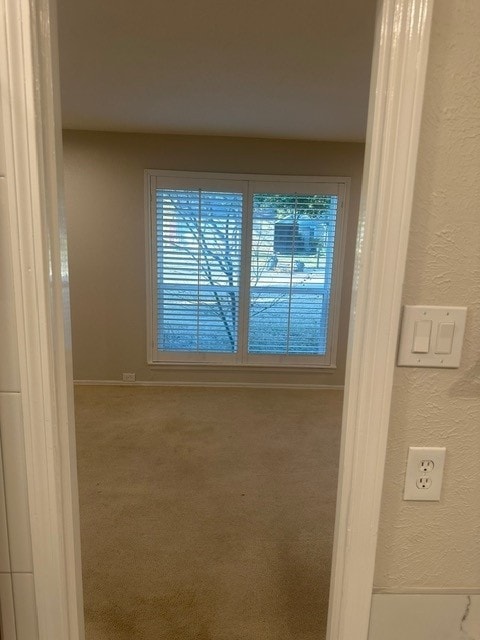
(244, 270)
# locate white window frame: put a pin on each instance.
(247, 184)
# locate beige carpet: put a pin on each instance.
(206, 514)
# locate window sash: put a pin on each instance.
(204, 186)
(247, 185)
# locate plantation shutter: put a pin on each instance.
(198, 247)
(292, 256)
(244, 270)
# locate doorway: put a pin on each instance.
(207, 499)
(344, 477)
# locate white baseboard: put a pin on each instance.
(168, 383)
(427, 591)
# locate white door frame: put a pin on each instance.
(399, 65)
(31, 117)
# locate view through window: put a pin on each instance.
(243, 271)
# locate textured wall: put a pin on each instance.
(104, 190)
(437, 544)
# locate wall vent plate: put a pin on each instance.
(431, 336)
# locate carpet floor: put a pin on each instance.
(206, 514)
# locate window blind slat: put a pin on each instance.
(293, 239)
(198, 262)
(198, 269)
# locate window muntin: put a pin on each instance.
(243, 270)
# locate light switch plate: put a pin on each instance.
(433, 353)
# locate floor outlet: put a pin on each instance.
(424, 475)
(128, 377)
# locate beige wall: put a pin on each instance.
(435, 545)
(104, 174)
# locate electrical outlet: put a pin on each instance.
(424, 475)
(128, 377)
(427, 466)
(424, 482)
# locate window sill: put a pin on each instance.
(196, 367)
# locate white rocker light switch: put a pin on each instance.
(421, 336)
(446, 331)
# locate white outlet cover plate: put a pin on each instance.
(417, 455)
(436, 315)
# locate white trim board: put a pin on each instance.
(249, 368)
(395, 109)
(31, 121)
(256, 177)
(426, 591)
(30, 95)
(168, 383)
